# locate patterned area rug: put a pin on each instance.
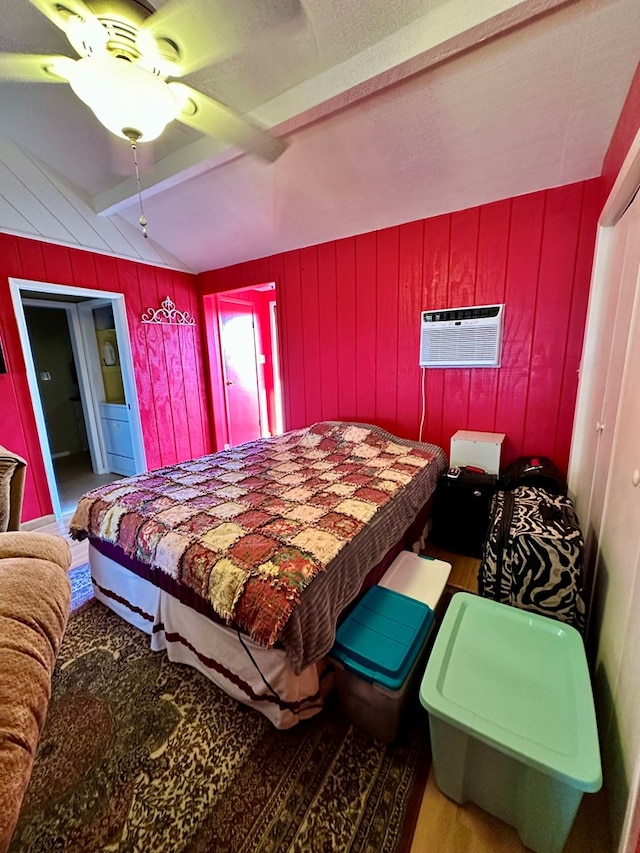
(81, 588)
(140, 754)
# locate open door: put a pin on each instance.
(243, 362)
(241, 386)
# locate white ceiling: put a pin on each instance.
(392, 110)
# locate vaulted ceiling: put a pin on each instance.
(392, 110)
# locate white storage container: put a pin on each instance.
(422, 578)
(479, 449)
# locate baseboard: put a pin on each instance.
(35, 523)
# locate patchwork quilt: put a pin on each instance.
(249, 529)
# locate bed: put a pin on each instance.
(242, 562)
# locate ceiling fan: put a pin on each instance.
(128, 52)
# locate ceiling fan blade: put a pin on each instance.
(216, 119)
(32, 68)
(59, 13)
(207, 31)
(201, 38)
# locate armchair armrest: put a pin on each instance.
(12, 477)
(41, 546)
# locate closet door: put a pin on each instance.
(618, 567)
(601, 376)
(623, 276)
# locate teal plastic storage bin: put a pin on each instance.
(511, 716)
(376, 652)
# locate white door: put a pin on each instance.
(603, 477)
(606, 376)
(617, 569)
(601, 374)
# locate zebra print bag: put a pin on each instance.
(533, 555)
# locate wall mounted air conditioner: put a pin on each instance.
(462, 337)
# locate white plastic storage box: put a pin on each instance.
(419, 577)
(511, 716)
(377, 652)
(478, 449)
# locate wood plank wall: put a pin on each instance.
(167, 359)
(349, 313)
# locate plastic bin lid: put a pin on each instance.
(382, 635)
(422, 578)
(519, 682)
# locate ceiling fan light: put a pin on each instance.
(124, 96)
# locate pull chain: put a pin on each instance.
(133, 139)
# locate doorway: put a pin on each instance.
(242, 341)
(60, 332)
(58, 385)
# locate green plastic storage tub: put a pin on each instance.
(511, 717)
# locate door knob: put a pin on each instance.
(228, 382)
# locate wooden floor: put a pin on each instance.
(79, 550)
(444, 826)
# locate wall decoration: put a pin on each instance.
(168, 314)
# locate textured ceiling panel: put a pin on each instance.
(382, 126)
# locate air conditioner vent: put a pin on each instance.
(462, 337)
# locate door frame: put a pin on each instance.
(86, 354)
(236, 299)
(275, 358)
(96, 451)
(214, 358)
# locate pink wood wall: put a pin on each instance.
(349, 319)
(167, 359)
(349, 315)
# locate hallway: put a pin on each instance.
(75, 476)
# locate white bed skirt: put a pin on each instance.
(216, 651)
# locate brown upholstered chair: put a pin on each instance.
(35, 595)
(12, 473)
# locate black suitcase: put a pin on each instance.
(533, 471)
(533, 555)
